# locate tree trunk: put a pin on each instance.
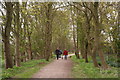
(94, 60)
(77, 48)
(86, 52)
(118, 32)
(74, 37)
(97, 36)
(29, 48)
(88, 26)
(17, 44)
(8, 56)
(48, 32)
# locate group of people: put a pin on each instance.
(59, 53)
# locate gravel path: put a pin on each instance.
(57, 69)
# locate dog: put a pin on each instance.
(70, 56)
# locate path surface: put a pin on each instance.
(57, 69)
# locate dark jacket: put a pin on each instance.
(57, 51)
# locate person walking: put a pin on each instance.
(65, 53)
(57, 52)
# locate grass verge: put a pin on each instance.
(87, 70)
(26, 70)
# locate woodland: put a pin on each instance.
(33, 31)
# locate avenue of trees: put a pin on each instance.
(33, 30)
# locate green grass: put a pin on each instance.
(87, 70)
(112, 60)
(26, 70)
(29, 72)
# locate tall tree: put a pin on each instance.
(98, 45)
(75, 32)
(17, 33)
(8, 56)
(48, 30)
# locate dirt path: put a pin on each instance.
(57, 69)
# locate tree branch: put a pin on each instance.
(2, 12)
(76, 7)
